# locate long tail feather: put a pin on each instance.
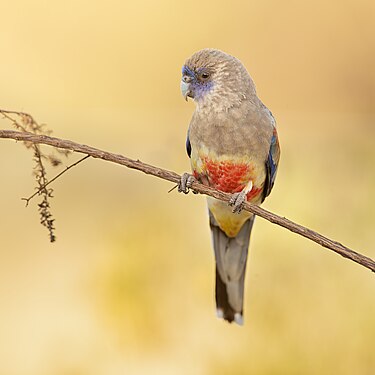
(231, 255)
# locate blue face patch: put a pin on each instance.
(187, 72)
(201, 88)
(198, 88)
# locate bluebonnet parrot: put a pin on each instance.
(233, 146)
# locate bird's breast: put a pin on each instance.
(229, 174)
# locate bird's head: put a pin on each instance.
(211, 73)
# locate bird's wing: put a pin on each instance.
(271, 164)
(188, 145)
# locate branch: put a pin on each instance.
(196, 187)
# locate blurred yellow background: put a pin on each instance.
(128, 288)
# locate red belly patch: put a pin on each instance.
(227, 176)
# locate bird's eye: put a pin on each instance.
(205, 75)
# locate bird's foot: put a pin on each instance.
(237, 200)
(185, 183)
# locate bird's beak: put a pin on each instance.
(185, 87)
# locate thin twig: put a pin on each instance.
(56, 177)
(172, 188)
(197, 187)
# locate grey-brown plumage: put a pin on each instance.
(232, 143)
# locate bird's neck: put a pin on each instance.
(219, 106)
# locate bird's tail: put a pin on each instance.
(231, 256)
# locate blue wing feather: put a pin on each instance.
(271, 164)
(188, 145)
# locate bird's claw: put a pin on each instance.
(185, 183)
(237, 200)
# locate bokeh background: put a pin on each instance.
(128, 288)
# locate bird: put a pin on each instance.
(233, 147)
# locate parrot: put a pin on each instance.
(233, 147)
